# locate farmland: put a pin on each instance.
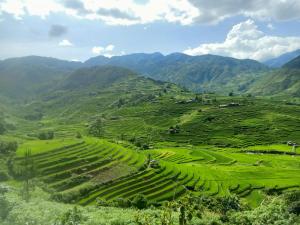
(220, 157)
(159, 141)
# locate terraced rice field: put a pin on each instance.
(93, 169)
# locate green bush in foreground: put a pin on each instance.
(187, 211)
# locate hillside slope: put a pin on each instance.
(199, 73)
(20, 77)
(293, 64)
(90, 91)
(282, 59)
(285, 81)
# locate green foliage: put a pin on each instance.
(5, 206)
(46, 135)
(71, 217)
(281, 82)
(139, 201)
(3, 175)
(7, 147)
(78, 135)
(96, 127)
(2, 128)
(27, 173)
(273, 211)
(293, 201)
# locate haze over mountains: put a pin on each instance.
(28, 76)
(282, 59)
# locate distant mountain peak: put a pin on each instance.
(293, 64)
(282, 59)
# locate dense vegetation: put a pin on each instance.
(107, 146)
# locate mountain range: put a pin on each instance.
(197, 73)
(33, 75)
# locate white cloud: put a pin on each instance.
(19, 8)
(106, 51)
(130, 12)
(216, 11)
(109, 47)
(97, 50)
(113, 12)
(245, 40)
(270, 26)
(65, 43)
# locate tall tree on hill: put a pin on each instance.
(28, 173)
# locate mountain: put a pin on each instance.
(24, 76)
(282, 59)
(199, 73)
(96, 77)
(284, 81)
(293, 64)
(91, 90)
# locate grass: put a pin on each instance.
(207, 157)
(39, 146)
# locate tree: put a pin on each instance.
(140, 201)
(28, 172)
(78, 135)
(46, 135)
(121, 102)
(2, 128)
(7, 147)
(5, 206)
(71, 217)
(96, 127)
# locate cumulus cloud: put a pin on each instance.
(20, 8)
(215, 11)
(245, 40)
(113, 12)
(65, 43)
(57, 30)
(270, 26)
(130, 12)
(106, 51)
(76, 5)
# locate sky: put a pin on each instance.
(80, 29)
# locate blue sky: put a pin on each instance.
(78, 30)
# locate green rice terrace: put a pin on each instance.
(92, 169)
(140, 137)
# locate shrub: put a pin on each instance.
(3, 175)
(292, 199)
(8, 147)
(273, 211)
(294, 207)
(78, 135)
(34, 116)
(46, 135)
(96, 128)
(71, 217)
(140, 201)
(2, 128)
(5, 206)
(123, 202)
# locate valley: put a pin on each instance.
(101, 136)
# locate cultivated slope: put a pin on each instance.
(285, 81)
